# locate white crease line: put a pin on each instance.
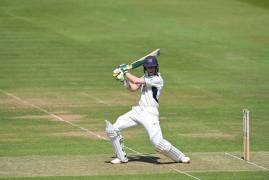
(246, 161)
(98, 100)
(84, 129)
(177, 170)
(52, 115)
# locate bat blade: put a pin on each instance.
(140, 61)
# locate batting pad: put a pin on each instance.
(175, 154)
(163, 146)
(167, 149)
(115, 138)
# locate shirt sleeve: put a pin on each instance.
(153, 81)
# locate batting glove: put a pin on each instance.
(124, 67)
(118, 74)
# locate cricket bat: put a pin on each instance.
(136, 63)
(140, 61)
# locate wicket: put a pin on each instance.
(246, 134)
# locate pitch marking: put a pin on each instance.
(246, 161)
(52, 115)
(177, 170)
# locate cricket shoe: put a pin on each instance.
(185, 159)
(118, 161)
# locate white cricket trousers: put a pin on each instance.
(147, 116)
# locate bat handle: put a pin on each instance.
(137, 64)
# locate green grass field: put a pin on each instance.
(56, 88)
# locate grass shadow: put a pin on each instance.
(259, 3)
(146, 159)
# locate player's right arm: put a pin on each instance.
(133, 87)
(134, 82)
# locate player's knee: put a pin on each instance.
(120, 118)
(111, 131)
(155, 141)
(119, 122)
(162, 146)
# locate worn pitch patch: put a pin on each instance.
(214, 134)
(79, 134)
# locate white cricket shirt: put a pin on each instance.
(150, 92)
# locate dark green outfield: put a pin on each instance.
(222, 175)
(58, 55)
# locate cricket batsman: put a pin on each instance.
(145, 113)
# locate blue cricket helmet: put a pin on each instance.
(151, 61)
